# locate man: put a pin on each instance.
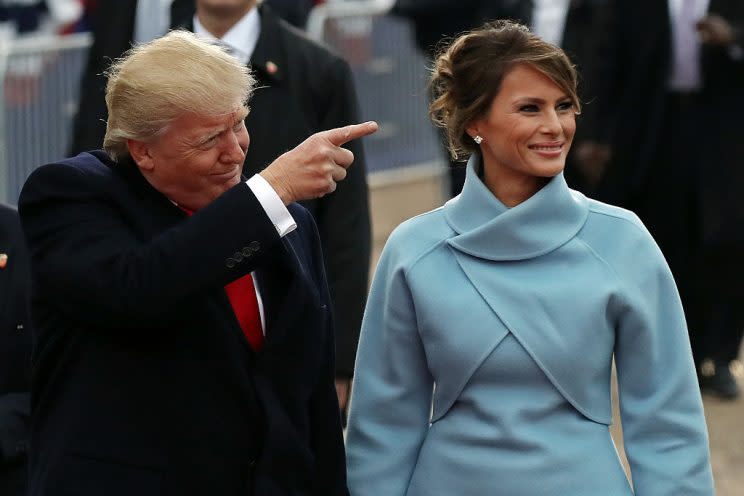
(15, 354)
(302, 89)
(671, 76)
(184, 342)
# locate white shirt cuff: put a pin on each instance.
(272, 205)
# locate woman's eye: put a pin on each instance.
(565, 106)
(528, 108)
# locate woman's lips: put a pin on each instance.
(552, 149)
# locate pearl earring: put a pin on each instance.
(478, 140)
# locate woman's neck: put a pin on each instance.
(511, 187)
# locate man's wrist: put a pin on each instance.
(277, 185)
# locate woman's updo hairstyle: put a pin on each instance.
(468, 73)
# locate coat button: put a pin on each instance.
(19, 327)
(230, 263)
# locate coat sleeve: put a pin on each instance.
(326, 430)
(344, 223)
(664, 429)
(89, 263)
(391, 397)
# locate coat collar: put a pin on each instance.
(487, 229)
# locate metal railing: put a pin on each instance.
(41, 79)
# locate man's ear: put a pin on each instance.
(140, 153)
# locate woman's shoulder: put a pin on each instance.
(619, 238)
(622, 221)
(418, 235)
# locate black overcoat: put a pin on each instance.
(143, 381)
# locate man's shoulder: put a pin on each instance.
(91, 172)
(94, 162)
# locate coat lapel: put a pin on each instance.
(269, 61)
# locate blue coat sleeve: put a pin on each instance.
(662, 413)
(392, 391)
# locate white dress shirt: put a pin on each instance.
(151, 19)
(549, 19)
(685, 73)
(240, 39)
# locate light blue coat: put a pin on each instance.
(486, 349)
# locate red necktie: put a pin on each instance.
(242, 296)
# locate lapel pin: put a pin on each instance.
(271, 67)
(3, 260)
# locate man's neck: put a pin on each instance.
(219, 20)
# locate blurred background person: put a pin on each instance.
(670, 87)
(15, 354)
(302, 89)
(569, 24)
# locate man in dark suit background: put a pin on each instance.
(15, 354)
(671, 74)
(184, 342)
(302, 89)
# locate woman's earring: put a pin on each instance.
(478, 140)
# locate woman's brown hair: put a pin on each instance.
(468, 73)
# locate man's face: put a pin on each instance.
(197, 159)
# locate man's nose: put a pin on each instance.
(235, 147)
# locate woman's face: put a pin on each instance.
(527, 131)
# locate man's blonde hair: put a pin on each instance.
(154, 83)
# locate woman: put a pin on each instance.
(488, 339)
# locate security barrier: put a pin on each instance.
(41, 78)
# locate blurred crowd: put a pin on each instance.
(662, 82)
